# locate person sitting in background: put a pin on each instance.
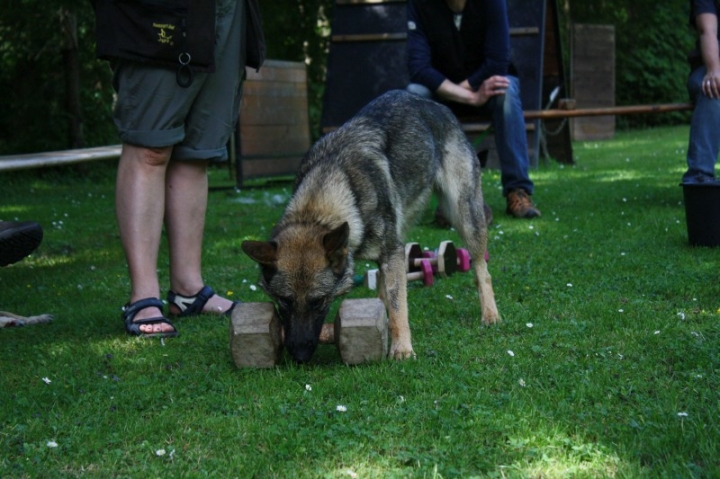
(459, 54)
(703, 86)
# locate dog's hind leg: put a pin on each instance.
(392, 290)
(462, 199)
(472, 228)
(473, 231)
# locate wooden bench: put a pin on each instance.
(477, 128)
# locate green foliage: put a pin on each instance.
(611, 318)
(33, 117)
(652, 41)
(300, 31)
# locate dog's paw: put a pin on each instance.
(401, 352)
(490, 317)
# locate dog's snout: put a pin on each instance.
(302, 334)
(302, 351)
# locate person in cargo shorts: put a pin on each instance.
(173, 122)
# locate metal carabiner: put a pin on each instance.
(184, 74)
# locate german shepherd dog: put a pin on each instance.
(357, 192)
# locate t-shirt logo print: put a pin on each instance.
(165, 32)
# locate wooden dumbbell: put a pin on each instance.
(360, 333)
(424, 273)
(446, 262)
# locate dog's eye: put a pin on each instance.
(284, 303)
(317, 303)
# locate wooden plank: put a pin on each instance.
(593, 79)
(616, 110)
(369, 37)
(266, 110)
(367, 2)
(274, 136)
(274, 127)
(519, 31)
(58, 158)
(381, 37)
(274, 167)
(285, 139)
(479, 127)
(291, 76)
(275, 70)
(275, 89)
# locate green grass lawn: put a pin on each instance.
(606, 364)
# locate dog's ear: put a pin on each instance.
(336, 246)
(263, 252)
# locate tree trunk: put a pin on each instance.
(71, 67)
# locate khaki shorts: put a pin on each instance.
(153, 111)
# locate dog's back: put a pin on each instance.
(378, 170)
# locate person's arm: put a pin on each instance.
(707, 26)
(421, 70)
(464, 93)
(497, 44)
(419, 55)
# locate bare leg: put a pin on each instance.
(185, 207)
(139, 205)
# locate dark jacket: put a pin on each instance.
(255, 39)
(438, 50)
(161, 32)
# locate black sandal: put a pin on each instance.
(133, 327)
(193, 305)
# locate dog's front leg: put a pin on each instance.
(393, 292)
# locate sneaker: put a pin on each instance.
(520, 205)
(18, 239)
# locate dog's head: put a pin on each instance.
(303, 269)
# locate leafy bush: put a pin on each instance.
(652, 40)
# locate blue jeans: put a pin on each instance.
(704, 144)
(506, 116)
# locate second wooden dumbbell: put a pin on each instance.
(360, 333)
